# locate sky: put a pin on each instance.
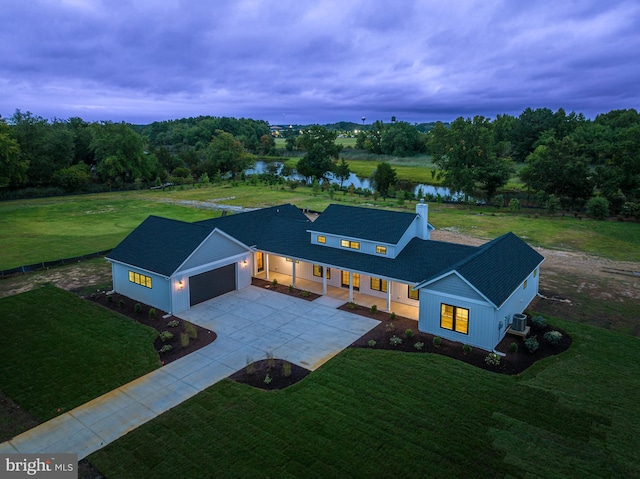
(322, 61)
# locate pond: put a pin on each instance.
(261, 167)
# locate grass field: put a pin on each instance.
(386, 414)
(33, 231)
(60, 351)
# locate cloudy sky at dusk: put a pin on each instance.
(316, 62)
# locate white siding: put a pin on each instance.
(454, 285)
(215, 248)
(517, 302)
(158, 296)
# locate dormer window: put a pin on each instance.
(322, 239)
(381, 249)
(350, 244)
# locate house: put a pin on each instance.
(462, 293)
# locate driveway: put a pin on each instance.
(254, 322)
(250, 323)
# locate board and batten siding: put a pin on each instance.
(158, 296)
(453, 284)
(366, 246)
(215, 248)
(518, 302)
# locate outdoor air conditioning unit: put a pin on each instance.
(519, 322)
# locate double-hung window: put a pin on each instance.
(454, 318)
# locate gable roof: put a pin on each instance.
(160, 245)
(365, 223)
(497, 268)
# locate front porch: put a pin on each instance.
(400, 309)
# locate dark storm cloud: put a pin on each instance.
(289, 62)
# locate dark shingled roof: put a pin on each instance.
(495, 269)
(366, 223)
(159, 244)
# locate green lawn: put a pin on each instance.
(60, 351)
(33, 231)
(384, 414)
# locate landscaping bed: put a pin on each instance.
(285, 289)
(514, 362)
(198, 337)
(280, 374)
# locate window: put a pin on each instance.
(350, 244)
(524, 285)
(140, 279)
(413, 293)
(322, 239)
(381, 249)
(378, 284)
(355, 279)
(318, 271)
(535, 273)
(454, 318)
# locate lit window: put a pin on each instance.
(322, 239)
(140, 279)
(413, 293)
(319, 270)
(350, 244)
(524, 285)
(378, 284)
(454, 318)
(381, 249)
(535, 273)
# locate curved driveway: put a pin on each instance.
(250, 323)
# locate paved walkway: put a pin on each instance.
(249, 323)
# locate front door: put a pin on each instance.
(355, 277)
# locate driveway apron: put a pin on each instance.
(250, 324)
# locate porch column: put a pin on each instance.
(293, 272)
(350, 287)
(324, 281)
(266, 265)
(389, 285)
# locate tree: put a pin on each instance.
(226, 154)
(383, 178)
(341, 171)
(526, 132)
(119, 153)
(13, 169)
(320, 145)
(401, 139)
(598, 207)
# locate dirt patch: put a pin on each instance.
(187, 337)
(513, 362)
(288, 290)
(270, 374)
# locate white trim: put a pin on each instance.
(515, 290)
(214, 265)
(197, 248)
(424, 284)
(138, 268)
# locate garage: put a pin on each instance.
(213, 283)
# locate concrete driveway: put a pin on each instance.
(250, 323)
(254, 322)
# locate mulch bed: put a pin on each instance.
(512, 363)
(285, 289)
(280, 377)
(159, 323)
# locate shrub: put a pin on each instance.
(419, 345)
(286, 369)
(190, 329)
(437, 341)
(251, 366)
(498, 201)
(291, 288)
(492, 359)
(531, 344)
(166, 336)
(184, 340)
(514, 205)
(538, 322)
(553, 337)
(374, 309)
(395, 341)
(121, 303)
(552, 204)
(270, 361)
(110, 298)
(392, 316)
(274, 283)
(598, 207)
(166, 348)
(152, 313)
(351, 305)
(173, 323)
(466, 349)
(513, 347)
(305, 294)
(137, 308)
(371, 343)
(267, 379)
(390, 327)
(409, 333)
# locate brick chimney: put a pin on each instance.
(422, 230)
